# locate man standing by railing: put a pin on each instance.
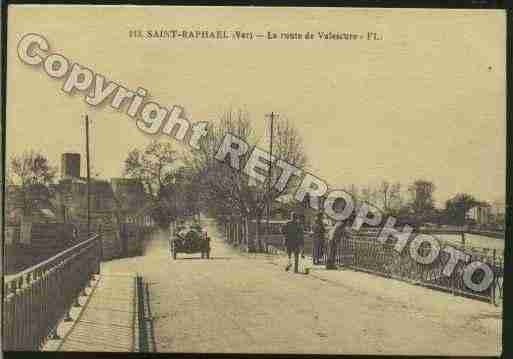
(294, 240)
(319, 231)
(335, 235)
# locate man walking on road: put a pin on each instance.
(319, 231)
(294, 240)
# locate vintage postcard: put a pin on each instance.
(254, 180)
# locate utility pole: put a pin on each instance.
(88, 177)
(269, 183)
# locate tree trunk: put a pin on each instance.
(245, 239)
(26, 209)
(258, 237)
(250, 241)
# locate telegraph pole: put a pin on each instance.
(269, 183)
(88, 177)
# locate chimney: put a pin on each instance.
(70, 165)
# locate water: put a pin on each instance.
(474, 240)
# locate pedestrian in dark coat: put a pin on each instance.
(294, 240)
(336, 235)
(319, 231)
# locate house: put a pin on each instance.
(130, 197)
(32, 203)
(480, 214)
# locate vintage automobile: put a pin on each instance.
(190, 240)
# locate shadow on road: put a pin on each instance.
(206, 259)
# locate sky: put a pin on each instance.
(427, 101)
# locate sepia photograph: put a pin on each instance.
(254, 180)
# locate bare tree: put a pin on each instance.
(367, 194)
(155, 166)
(422, 202)
(396, 197)
(457, 207)
(221, 187)
(383, 190)
(226, 191)
(29, 169)
(388, 196)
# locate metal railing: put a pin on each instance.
(382, 258)
(362, 251)
(37, 299)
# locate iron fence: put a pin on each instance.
(37, 299)
(370, 255)
(362, 251)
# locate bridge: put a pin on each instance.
(234, 302)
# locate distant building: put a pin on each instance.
(480, 214)
(14, 205)
(47, 219)
(32, 204)
(71, 199)
(132, 200)
(423, 189)
(130, 197)
(498, 208)
(70, 165)
(71, 196)
(498, 212)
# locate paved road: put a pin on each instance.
(248, 303)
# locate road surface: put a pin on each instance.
(241, 303)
